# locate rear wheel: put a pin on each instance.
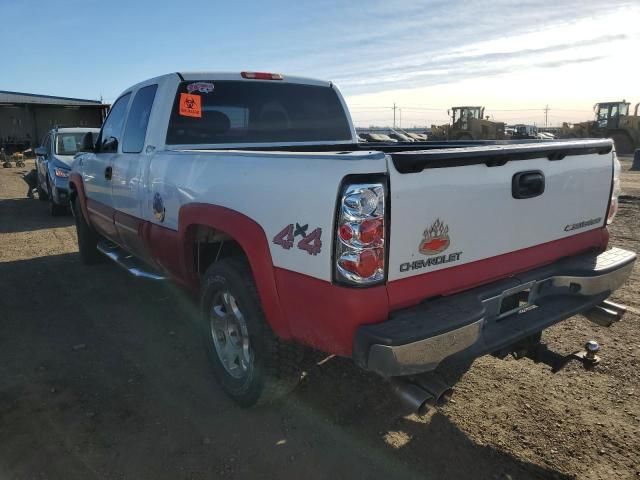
(87, 238)
(252, 365)
(623, 143)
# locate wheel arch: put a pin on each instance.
(248, 235)
(76, 187)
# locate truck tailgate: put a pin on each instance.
(453, 207)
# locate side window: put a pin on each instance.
(138, 119)
(112, 128)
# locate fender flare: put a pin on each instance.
(76, 184)
(253, 240)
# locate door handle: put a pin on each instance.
(527, 184)
(108, 172)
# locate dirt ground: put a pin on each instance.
(103, 376)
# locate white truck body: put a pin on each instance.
(346, 239)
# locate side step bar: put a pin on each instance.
(130, 263)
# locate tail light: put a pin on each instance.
(615, 189)
(360, 234)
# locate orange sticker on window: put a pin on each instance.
(190, 105)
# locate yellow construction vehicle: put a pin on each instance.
(468, 123)
(613, 120)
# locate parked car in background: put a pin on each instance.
(523, 132)
(401, 137)
(545, 136)
(377, 137)
(53, 164)
(419, 137)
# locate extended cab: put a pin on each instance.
(252, 191)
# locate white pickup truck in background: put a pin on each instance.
(251, 190)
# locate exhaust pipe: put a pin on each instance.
(606, 314)
(413, 397)
(421, 392)
(439, 390)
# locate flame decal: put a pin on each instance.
(436, 238)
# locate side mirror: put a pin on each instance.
(110, 145)
(40, 152)
(87, 143)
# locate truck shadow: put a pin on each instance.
(430, 445)
(106, 376)
(28, 215)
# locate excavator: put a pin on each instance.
(468, 123)
(613, 120)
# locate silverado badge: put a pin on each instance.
(435, 238)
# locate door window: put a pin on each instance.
(111, 133)
(138, 119)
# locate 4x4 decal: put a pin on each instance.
(310, 243)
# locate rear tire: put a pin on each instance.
(251, 364)
(87, 238)
(623, 144)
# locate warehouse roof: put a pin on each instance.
(18, 97)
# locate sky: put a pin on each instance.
(513, 57)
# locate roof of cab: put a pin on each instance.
(238, 76)
(219, 76)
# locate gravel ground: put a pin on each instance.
(103, 376)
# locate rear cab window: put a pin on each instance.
(228, 112)
(138, 120)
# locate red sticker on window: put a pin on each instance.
(190, 105)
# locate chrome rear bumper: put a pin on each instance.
(491, 317)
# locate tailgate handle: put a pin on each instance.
(527, 184)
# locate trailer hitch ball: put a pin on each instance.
(591, 348)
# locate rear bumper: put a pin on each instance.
(470, 324)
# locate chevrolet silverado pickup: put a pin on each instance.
(251, 190)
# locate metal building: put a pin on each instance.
(25, 118)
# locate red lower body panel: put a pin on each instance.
(410, 291)
(326, 316)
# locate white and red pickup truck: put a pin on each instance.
(251, 190)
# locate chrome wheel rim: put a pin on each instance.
(230, 335)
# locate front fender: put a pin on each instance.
(253, 240)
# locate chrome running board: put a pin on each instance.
(130, 263)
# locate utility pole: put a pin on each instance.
(394, 114)
(546, 115)
(400, 109)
